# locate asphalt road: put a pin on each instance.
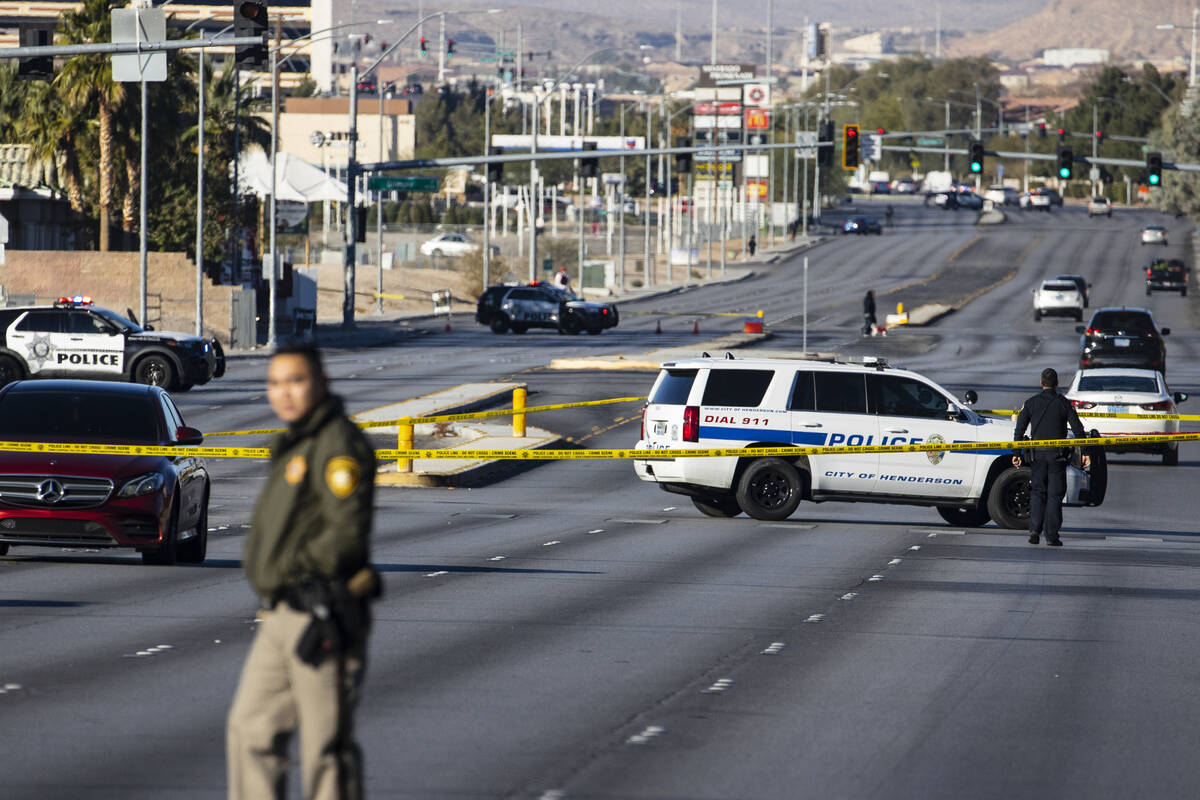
(574, 633)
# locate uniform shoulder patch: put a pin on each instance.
(295, 470)
(342, 475)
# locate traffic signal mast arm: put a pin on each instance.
(102, 48)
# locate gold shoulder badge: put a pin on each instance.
(342, 475)
(295, 470)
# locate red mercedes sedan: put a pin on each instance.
(157, 505)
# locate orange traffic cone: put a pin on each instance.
(658, 326)
(696, 326)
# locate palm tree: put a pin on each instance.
(88, 78)
(55, 136)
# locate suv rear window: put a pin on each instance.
(1060, 287)
(1129, 321)
(674, 388)
(841, 391)
(736, 387)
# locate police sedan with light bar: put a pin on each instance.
(75, 339)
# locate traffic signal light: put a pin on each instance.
(825, 144)
(1066, 162)
(1154, 169)
(849, 147)
(880, 131)
(590, 167)
(976, 156)
(38, 67)
(250, 19)
(424, 45)
(1062, 135)
(1042, 130)
(495, 170)
(449, 47)
(366, 38)
(1099, 138)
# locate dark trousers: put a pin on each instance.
(1048, 486)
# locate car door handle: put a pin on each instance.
(76, 338)
(895, 430)
(812, 425)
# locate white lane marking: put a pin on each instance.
(719, 686)
(10, 687)
(597, 530)
(792, 525)
(646, 735)
(874, 578)
(633, 521)
(497, 558)
(915, 547)
(214, 408)
(894, 562)
(669, 508)
(849, 595)
(815, 618)
(774, 649)
(551, 543)
(216, 641)
(485, 516)
(1132, 539)
(552, 794)
(436, 574)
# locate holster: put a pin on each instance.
(340, 611)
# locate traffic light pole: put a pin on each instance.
(350, 254)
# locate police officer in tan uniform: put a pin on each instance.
(306, 558)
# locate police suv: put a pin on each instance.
(74, 339)
(726, 403)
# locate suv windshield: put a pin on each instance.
(1118, 383)
(118, 320)
(99, 417)
(1129, 321)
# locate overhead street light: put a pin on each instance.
(1171, 26)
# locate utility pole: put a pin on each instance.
(442, 52)
(520, 58)
(272, 286)
(487, 186)
(946, 139)
(531, 216)
(200, 205)
(1095, 146)
(349, 253)
(712, 49)
(1195, 24)
(678, 32)
(621, 210)
(649, 272)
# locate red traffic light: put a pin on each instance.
(880, 131)
(1062, 132)
(1099, 134)
(851, 132)
(256, 11)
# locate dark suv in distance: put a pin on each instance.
(1167, 275)
(519, 307)
(1123, 337)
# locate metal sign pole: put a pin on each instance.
(804, 343)
(200, 206)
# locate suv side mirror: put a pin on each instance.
(1080, 329)
(188, 436)
(1179, 397)
(1166, 331)
(970, 398)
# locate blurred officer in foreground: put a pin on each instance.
(306, 558)
(1047, 415)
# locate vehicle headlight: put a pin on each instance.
(142, 484)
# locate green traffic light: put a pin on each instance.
(1064, 172)
(1154, 179)
(976, 166)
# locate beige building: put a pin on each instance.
(315, 129)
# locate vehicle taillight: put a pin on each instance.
(643, 436)
(691, 423)
(604, 312)
(1148, 273)
(1082, 404)
(1161, 405)
(1092, 331)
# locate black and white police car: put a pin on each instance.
(519, 307)
(75, 339)
(727, 403)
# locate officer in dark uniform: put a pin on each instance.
(869, 322)
(1047, 415)
(306, 558)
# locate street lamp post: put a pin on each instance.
(1170, 26)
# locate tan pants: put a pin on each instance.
(277, 694)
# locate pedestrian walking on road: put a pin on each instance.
(869, 326)
(752, 245)
(1047, 415)
(888, 214)
(306, 558)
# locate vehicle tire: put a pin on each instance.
(1037, 315)
(1008, 501)
(1171, 456)
(595, 331)
(3, 549)
(1183, 292)
(769, 489)
(965, 516)
(168, 552)
(435, 253)
(519, 329)
(1079, 316)
(499, 324)
(10, 370)
(1097, 472)
(569, 325)
(1147, 291)
(724, 505)
(194, 549)
(155, 370)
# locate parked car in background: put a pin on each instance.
(519, 307)
(452, 245)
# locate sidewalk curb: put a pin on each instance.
(483, 473)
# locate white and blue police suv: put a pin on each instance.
(72, 338)
(735, 403)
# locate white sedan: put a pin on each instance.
(1154, 234)
(452, 245)
(1117, 390)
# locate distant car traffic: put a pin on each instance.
(1128, 391)
(519, 307)
(862, 225)
(452, 245)
(1123, 337)
(1099, 207)
(1080, 282)
(970, 200)
(1154, 234)
(1041, 198)
(75, 339)
(880, 187)
(904, 186)
(1002, 195)
(1057, 298)
(155, 504)
(1167, 275)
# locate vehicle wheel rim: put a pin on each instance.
(1016, 499)
(771, 490)
(154, 373)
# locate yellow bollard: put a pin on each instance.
(519, 419)
(899, 308)
(404, 441)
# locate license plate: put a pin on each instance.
(660, 428)
(1116, 409)
(1121, 342)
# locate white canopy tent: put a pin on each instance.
(295, 179)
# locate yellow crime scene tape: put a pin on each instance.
(469, 415)
(1098, 414)
(594, 455)
(390, 296)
